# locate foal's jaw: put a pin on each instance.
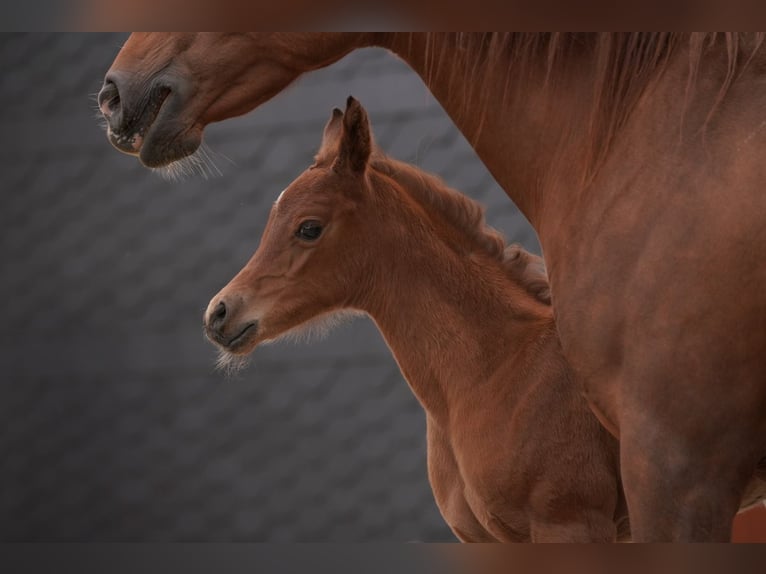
(242, 342)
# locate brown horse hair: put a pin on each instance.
(624, 63)
(529, 270)
(456, 209)
(460, 211)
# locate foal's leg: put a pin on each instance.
(681, 487)
(594, 527)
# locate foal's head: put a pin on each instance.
(311, 259)
(353, 224)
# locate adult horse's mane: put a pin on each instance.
(467, 215)
(623, 64)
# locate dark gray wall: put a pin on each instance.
(115, 423)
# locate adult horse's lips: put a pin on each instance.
(171, 136)
(130, 138)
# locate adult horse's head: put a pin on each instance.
(163, 89)
(315, 250)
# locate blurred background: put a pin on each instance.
(115, 424)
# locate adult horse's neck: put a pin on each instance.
(518, 130)
(447, 335)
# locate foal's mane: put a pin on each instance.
(623, 63)
(467, 215)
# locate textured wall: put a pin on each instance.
(115, 424)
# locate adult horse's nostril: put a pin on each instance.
(109, 99)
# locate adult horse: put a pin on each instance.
(637, 159)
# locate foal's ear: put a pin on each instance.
(332, 128)
(331, 133)
(355, 139)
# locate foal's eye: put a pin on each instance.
(309, 230)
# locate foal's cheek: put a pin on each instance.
(303, 260)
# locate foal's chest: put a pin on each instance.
(473, 513)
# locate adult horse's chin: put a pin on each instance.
(165, 144)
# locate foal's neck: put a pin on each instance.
(450, 317)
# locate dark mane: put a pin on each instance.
(467, 215)
(623, 63)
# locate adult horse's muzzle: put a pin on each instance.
(145, 120)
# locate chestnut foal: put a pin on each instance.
(514, 452)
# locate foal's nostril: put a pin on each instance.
(218, 316)
(109, 99)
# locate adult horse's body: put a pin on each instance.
(638, 160)
(359, 231)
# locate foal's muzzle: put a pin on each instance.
(222, 329)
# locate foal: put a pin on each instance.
(514, 453)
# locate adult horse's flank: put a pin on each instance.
(470, 324)
(638, 159)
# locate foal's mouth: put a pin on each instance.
(241, 340)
